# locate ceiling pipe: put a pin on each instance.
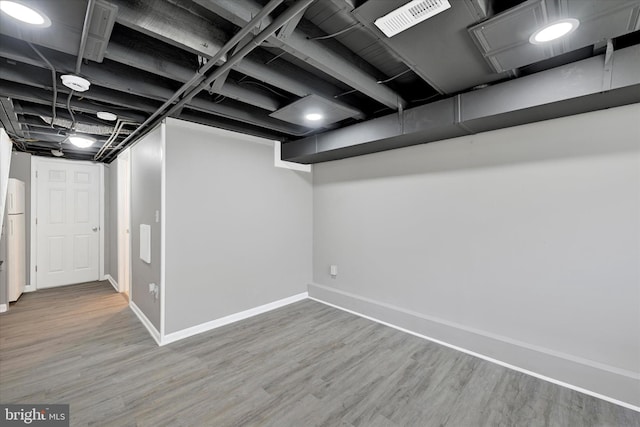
(161, 112)
(85, 35)
(54, 83)
(81, 49)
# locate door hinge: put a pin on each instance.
(36, 174)
(36, 221)
(36, 268)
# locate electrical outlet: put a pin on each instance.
(154, 289)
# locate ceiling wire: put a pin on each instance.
(107, 106)
(344, 93)
(73, 118)
(250, 82)
(53, 80)
(330, 36)
(425, 99)
(274, 58)
(394, 77)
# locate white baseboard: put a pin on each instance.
(596, 379)
(146, 322)
(29, 288)
(112, 281)
(204, 327)
(3, 308)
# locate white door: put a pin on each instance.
(124, 240)
(67, 222)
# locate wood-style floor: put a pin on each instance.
(303, 365)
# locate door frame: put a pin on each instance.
(33, 256)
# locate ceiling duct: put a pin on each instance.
(409, 15)
(588, 85)
(82, 127)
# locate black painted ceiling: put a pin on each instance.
(138, 53)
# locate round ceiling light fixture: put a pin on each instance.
(554, 31)
(24, 13)
(314, 117)
(82, 141)
(77, 83)
(105, 115)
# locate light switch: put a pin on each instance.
(333, 270)
(157, 216)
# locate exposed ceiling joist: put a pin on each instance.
(117, 77)
(148, 59)
(313, 52)
(8, 116)
(168, 67)
(171, 24)
(287, 76)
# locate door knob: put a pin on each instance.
(95, 229)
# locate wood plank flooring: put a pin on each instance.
(302, 365)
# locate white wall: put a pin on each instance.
(522, 244)
(238, 230)
(111, 220)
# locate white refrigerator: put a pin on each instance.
(16, 240)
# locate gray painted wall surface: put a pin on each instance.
(530, 233)
(238, 229)
(111, 220)
(146, 173)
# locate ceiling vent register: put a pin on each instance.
(409, 15)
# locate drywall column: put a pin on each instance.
(238, 230)
(146, 200)
(522, 244)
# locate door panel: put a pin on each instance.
(68, 218)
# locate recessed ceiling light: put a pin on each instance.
(81, 141)
(105, 115)
(57, 153)
(554, 31)
(25, 13)
(77, 83)
(314, 117)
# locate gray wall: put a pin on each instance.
(527, 236)
(111, 220)
(238, 230)
(146, 173)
